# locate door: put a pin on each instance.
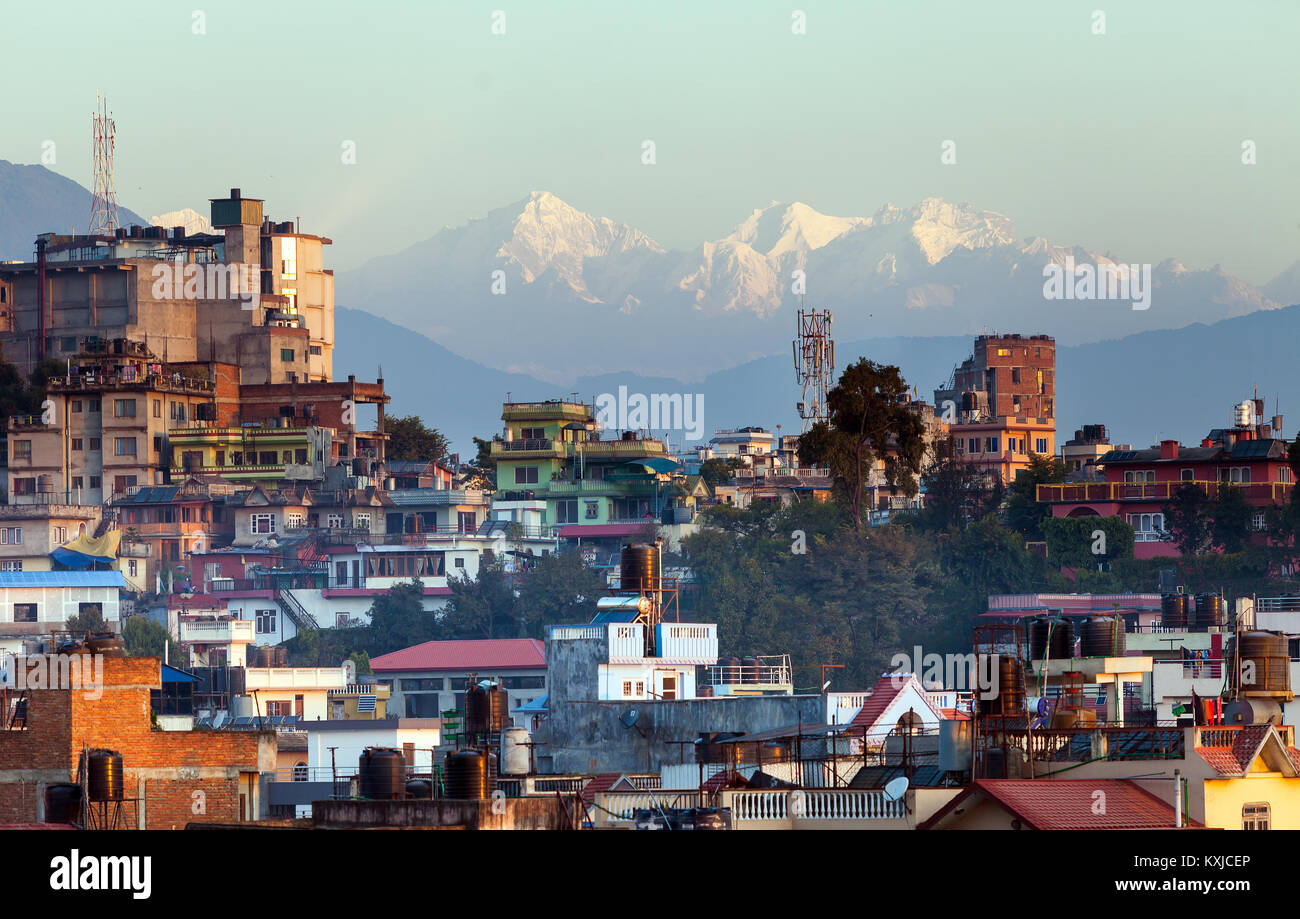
(666, 684)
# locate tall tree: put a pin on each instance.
(1188, 520)
(1024, 513)
(1230, 519)
(409, 439)
(869, 420)
(956, 492)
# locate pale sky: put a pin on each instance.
(1129, 142)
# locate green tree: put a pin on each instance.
(92, 620)
(1188, 519)
(869, 420)
(398, 619)
(482, 471)
(558, 588)
(719, 471)
(409, 439)
(1074, 541)
(1024, 513)
(955, 492)
(146, 638)
(483, 606)
(1230, 519)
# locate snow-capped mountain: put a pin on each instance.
(186, 217)
(541, 287)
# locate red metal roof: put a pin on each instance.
(1070, 804)
(485, 655)
(606, 781)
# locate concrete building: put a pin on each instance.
(599, 720)
(34, 603)
(1082, 451)
(30, 532)
(1002, 402)
(430, 678)
(256, 295)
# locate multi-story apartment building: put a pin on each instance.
(554, 469)
(173, 292)
(264, 454)
(30, 532)
(1000, 403)
(106, 424)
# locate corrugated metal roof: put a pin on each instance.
(62, 579)
(1069, 804)
(485, 655)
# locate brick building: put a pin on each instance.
(176, 777)
(1001, 403)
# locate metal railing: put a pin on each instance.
(814, 804)
(1082, 492)
(772, 668)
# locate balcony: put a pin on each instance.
(332, 679)
(530, 448)
(688, 642)
(218, 632)
(1090, 492)
(767, 671)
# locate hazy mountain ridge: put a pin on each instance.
(587, 295)
(35, 200)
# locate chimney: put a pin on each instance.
(1169, 449)
(234, 194)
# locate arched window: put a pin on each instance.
(300, 772)
(1255, 816)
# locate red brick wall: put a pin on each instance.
(62, 724)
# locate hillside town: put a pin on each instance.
(235, 590)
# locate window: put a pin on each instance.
(96, 481)
(341, 620)
(1255, 816)
(1257, 521)
(1236, 475)
(525, 475)
(974, 445)
(123, 408)
(293, 520)
(265, 621)
(124, 446)
(178, 411)
(314, 350)
(26, 486)
(11, 536)
(22, 449)
(1187, 475)
(627, 689)
(15, 564)
(1147, 527)
(262, 523)
(96, 443)
(1139, 476)
(78, 482)
(1284, 474)
(532, 433)
(288, 258)
(992, 445)
(460, 562)
(300, 772)
(24, 612)
(566, 511)
(334, 521)
(76, 406)
(58, 535)
(1040, 445)
(92, 405)
(278, 709)
(361, 521)
(593, 510)
(77, 444)
(286, 355)
(465, 521)
(157, 408)
(130, 567)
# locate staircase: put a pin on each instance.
(296, 612)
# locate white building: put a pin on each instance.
(36, 603)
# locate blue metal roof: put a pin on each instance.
(172, 674)
(62, 579)
(537, 705)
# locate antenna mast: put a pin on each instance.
(814, 364)
(103, 208)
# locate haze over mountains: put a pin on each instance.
(583, 295)
(591, 305)
(35, 200)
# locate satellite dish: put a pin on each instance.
(628, 718)
(895, 789)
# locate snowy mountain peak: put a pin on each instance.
(777, 229)
(186, 217)
(548, 232)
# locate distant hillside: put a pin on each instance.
(1170, 383)
(35, 200)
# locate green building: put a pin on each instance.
(554, 468)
